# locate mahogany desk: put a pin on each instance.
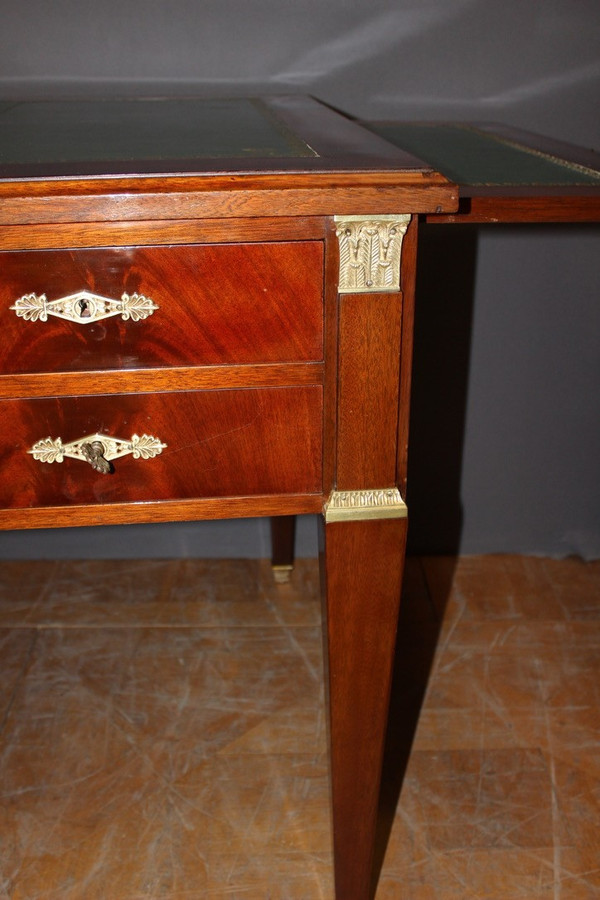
(206, 312)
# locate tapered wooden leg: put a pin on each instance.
(363, 566)
(283, 535)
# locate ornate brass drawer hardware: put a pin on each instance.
(84, 307)
(384, 503)
(370, 252)
(97, 449)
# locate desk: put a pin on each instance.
(206, 309)
(207, 312)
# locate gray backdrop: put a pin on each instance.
(506, 415)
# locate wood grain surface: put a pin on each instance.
(121, 200)
(218, 304)
(511, 205)
(369, 379)
(174, 378)
(363, 567)
(219, 443)
(161, 511)
(184, 231)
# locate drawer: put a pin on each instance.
(202, 304)
(214, 444)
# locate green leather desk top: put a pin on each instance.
(73, 138)
(472, 156)
(53, 131)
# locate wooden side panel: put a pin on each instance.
(369, 377)
(218, 304)
(219, 443)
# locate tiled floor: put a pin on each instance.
(163, 734)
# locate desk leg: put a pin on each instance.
(283, 536)
(363, 565)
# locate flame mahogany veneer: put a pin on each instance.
(218, 304)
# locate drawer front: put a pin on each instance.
(189, 445)
(209, 304)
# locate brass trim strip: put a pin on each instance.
(384, 503)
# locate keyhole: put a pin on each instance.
(84, 309)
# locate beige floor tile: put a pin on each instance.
(164, 732)
(15, 652)
(167, 593)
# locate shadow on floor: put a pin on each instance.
(421, 616)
